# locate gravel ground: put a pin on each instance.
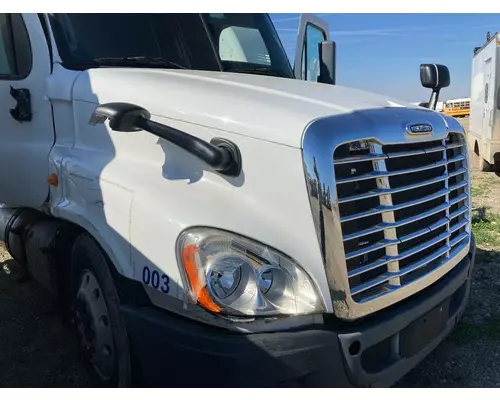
(37, 350)
(470, 356)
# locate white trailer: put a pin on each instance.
(484, 124)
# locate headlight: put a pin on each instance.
(226, 273)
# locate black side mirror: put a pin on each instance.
(221, 154)
(327, 56)
(435, 77)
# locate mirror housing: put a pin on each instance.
(435, 77)
(327, 60)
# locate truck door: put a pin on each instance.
(312, 31)
(26, 128)
(489, 92)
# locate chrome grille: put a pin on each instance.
(403, 211)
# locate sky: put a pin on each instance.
(382, 53)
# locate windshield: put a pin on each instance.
(213, 42)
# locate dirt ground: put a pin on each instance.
(470, 356)
(37, 350)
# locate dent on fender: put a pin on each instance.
(101, 208)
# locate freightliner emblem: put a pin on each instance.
(420, 129)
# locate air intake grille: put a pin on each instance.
(404, 211)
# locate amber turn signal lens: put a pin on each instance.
(200, 292)
(53, 180)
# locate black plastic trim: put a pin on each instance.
(315, 356)
(46, 33)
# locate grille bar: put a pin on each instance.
(459, 225)
(419, 264)
(380, 192)
(403, 211)
(382, 174)
(369, 157)
(396, 224)
(383, 226)
(379, 245)
(382, 209)
(457, 172)
(415, 152)
(423, 231)
(402, 256)
(459, 212)
(458, 239)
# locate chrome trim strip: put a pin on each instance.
(459, 171)
(383, 126)
(454, 146)
(415, 152)
(433, 227)
(461, 224)
(381, 209)
(385, 174)
(458, 212)
(406, 221)
(376, 246)
(380, 192)
(350, 160)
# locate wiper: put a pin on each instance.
(259, 70)
(135, 61)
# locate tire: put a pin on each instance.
(496, 166)
(95, 310)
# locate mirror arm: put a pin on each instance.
(434, 99)
(222, 155)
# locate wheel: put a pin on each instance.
(97, 317)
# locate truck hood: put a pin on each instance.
(263, 107)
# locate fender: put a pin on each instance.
(100, 207)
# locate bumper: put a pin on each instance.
(173, 351)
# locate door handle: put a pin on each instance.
(22, 111)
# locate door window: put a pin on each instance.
(310, 53)
(15, 51)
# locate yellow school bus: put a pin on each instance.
(457, 107)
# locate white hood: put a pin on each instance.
(263, 107)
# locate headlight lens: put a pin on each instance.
(226, 273)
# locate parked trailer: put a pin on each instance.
(484, 123)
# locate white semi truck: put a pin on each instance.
(209, 216)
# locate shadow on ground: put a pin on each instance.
(36, 348)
